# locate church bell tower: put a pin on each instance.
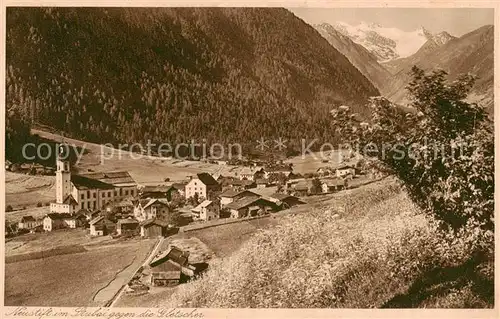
(63, 174)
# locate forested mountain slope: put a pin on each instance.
(360, 57)
(175, 74)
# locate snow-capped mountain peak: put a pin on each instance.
(388, 43)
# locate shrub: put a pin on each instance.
(8, 208)
(39, 204)
(443, 152)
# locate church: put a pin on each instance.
(91, 191)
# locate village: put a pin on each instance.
(113, 205)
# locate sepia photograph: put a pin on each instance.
(247, 157)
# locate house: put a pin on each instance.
(207, 210)
(231, 195)
(27, 222)
(285, 201)
(241, 184)
(168, 268)
(126, 226)
(302, 188)
(8, 164)
(325, 171)
(159, 191)
(165, 274)
(262, 183)
(101, 226)
(333, 185)
(80, 220)
(126, 206)
(246, 173)
(53, 221)
(179, 258)
(250, 206)
(345, 170)
(151, 208)
(203, 185)
(153, 228)
(278, 169)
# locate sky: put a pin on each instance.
(456, 21)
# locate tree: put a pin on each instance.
(174, 217)
(442, 150)
(316, 186)
(177, 200)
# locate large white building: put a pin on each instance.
(202, 185)
(90, 191)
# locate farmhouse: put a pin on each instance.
(159, 191)
(262, 182)
(203, 184)
(179, 258)
(333, 185)
(285, 201)
(53, 221)
(8, 164)
(325, 171)
(250, 206)
(207, 210)
(278, 169)
(27, 222)
(345, 170)
(126, 225)
(126, 206)
(165, 274)
(239, 184)
(151, 208)
(100, 226)
(152, 228)
(231, 195)
(250, 173)
(302, 188)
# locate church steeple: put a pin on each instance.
(63, 174)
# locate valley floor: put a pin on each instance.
(67, 268)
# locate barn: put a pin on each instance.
(153, 228)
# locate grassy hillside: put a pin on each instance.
(173, 74)
(371, 249)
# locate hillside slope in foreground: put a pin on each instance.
(370, 248)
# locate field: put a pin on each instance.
(144, 169)
(71, 280)
(16, 215)
(27, 190)
(69, 268)
(29, 243)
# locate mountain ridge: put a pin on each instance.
(470, 53)
(388, 43)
